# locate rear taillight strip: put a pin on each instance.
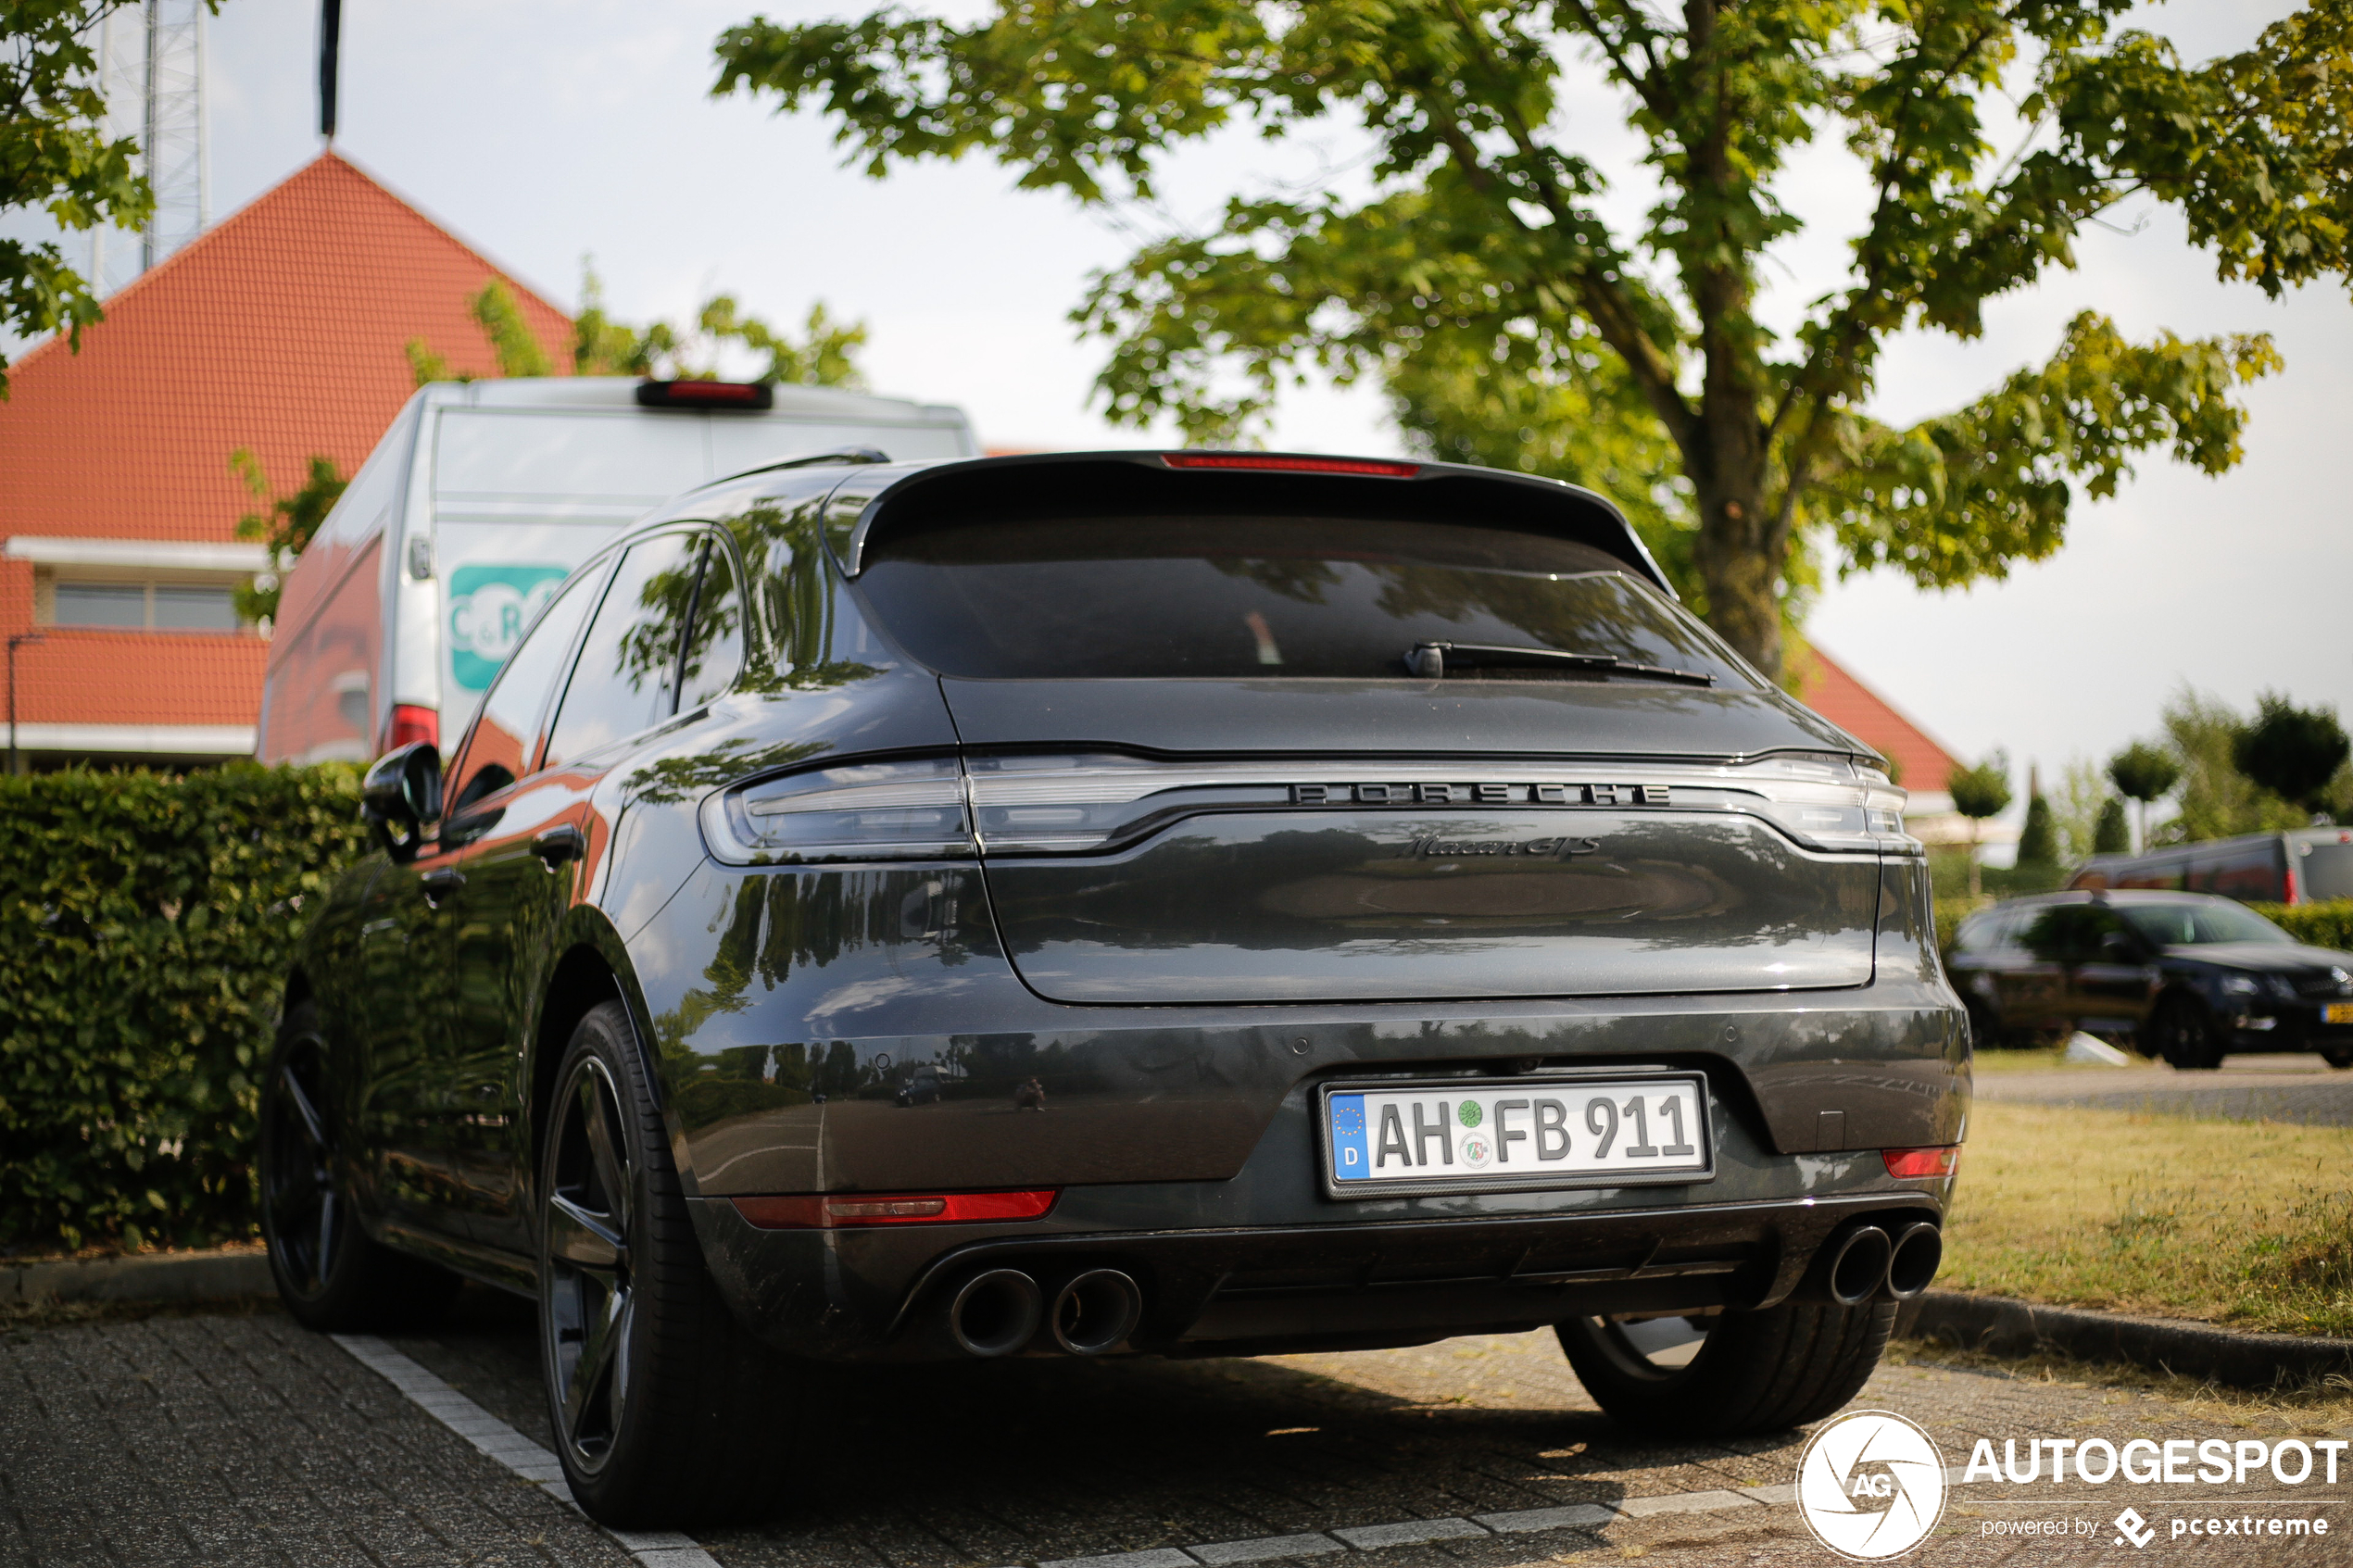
(1026, 805)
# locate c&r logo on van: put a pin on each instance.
(1870, 1486)
(489, 608)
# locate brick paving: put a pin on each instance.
(244, 1440)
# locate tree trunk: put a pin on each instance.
(1740, 553)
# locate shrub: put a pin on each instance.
(2323, 925)
(146, 926)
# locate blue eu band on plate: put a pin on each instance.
(1525, 1131)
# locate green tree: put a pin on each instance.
(287, 524)
(825, 354)
(54, 159)
(2144, 772)
(2293, 752)
(1979, 793)
(1481, 278)
(514, 347)
(2038, 845)
(2216, 799)
(2114, 835)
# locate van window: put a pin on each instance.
(2195, 924)
(2249, 873)
(498, 749)
(2327, 870)
(1261, 597)
(714, 655)
(626, 677)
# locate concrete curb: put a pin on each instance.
(2004, 1327)
(182, 1276)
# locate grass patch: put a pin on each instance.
(2248, 1223)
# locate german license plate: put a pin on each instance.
(1466, 1135)
(2337, 1012)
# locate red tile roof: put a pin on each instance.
(281, 329)
(1837, 695)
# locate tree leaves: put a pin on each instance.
(55, 156)
(1480, 257)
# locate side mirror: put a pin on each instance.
(400, 794)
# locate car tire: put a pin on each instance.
(1755, 1372)
(2338, 1057)
(331, 1274)
(664, 1408)
(2185, 1036)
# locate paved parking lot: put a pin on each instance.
(242, 1439)
(2246, 1089)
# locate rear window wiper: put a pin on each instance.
(1431, 661)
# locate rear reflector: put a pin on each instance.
(411, 723)
(893, 1208)
(1263, 463)
(705, 395)
(1909, 1162)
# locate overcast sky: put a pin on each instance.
(541, 130)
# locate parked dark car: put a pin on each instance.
(922, 1087)
(2188, 977)
(1355, 904)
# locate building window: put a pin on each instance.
(146, 607)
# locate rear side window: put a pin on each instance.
(1274, 597)
(506, 733)
(626, 677)
(715, 652)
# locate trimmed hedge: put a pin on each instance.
(2323, 925)
(145, 924)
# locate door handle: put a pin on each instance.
(442, 881)
(555, 845)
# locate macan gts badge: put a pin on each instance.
(1176, 904)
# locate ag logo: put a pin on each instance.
(1870, 1486)
(489, 608)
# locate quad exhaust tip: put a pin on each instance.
(1095, 1312)
(1913, 1262)
(994, 1313)
(1857, 1266)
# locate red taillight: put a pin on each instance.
(1263, 462)
(2291, 885)
(705, 395)
(411, 723)
(893, 1208)
(1908, 1163)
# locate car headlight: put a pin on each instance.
(2238, 985)
(2281, 987)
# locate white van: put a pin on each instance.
(481, 498)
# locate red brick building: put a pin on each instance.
(284, 329)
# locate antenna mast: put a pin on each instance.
(151, 70)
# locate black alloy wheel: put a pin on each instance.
(301, 1163)
(2185, 1034)
(330, 1272)
(587, 1295)
(667, 1413)
(1751, 1372)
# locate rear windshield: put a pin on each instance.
(1263, 597)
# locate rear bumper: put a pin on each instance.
(881, 1294)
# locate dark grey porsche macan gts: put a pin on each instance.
(1177, 904)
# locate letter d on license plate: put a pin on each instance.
(1473, 1135)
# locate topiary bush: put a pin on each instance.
(146, 921)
